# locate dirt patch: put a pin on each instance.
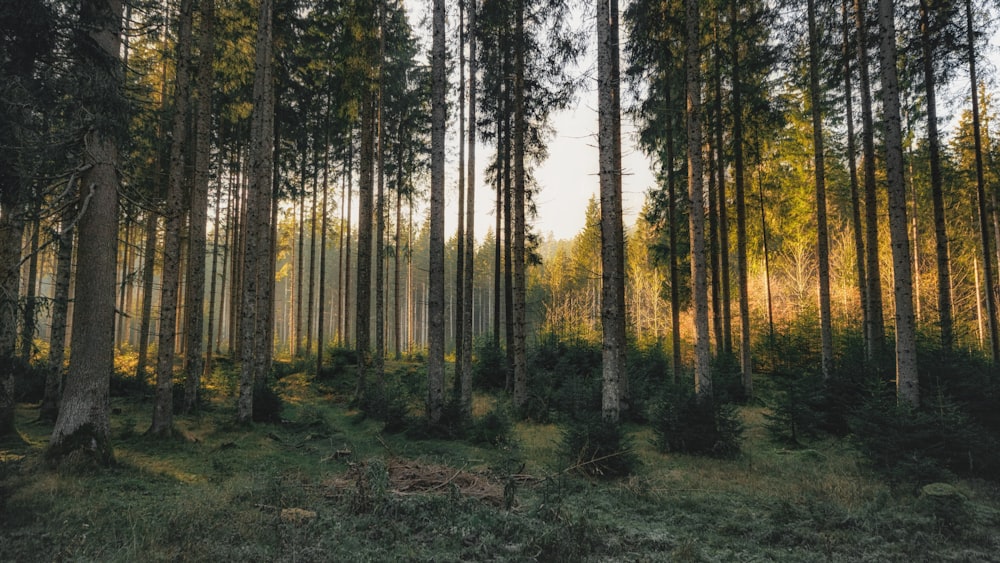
(412, 477)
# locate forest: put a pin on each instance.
(275, 283)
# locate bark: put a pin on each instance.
(907, 389)
(148, 265)
(195, 292)
(435, 308)
(212, 288)
(324, 226)
(365, 192)
(470, 231)
(720, 152)
(11, 233)
(819, 169)
(519, 274)
(852, 166)
(696, 195)
(163, 411)
(347, 246)
(256, 261)
(49, 409)
(380, 210)
(28, 324)
(746, 362)
(82, 429)
(984, 220)
(460, 232)
(612, 230)
(675, 275)
(299, 270)
(310, 303)
(875, 330)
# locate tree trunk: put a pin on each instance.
(907, 389)
(346, 341)
(746, 362)
(163, 412)
(819, 169)
(470, 232)
(49, 409)
(324, 225)
(11, 233)
(195, 293)
(852, 165)
(256, 259)
(28, 324)
(460, 232)
(435, 309)
(380, 209)
(83, 426)
(612, 230)
(519, 274)
(365, 211)
(875, 331)
(148, 267)
(696, 194)
(720, 152)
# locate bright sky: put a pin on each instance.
(567, 179)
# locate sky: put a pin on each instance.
(568, 178)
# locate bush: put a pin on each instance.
(682, 423)
(338, 358)
(267, 404)
(797, 407)
(489, 367)
(597, 448)
(387, 403)
(495, 428)
(565, 379)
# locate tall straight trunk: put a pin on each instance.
(195, 293)
(148, 266)
(397, 324)
(380, 209)
(84, 422)
(519, 255)
(49, 409)
(470, 231)
(720, 159)
(311, 303)
(256, 245)
(767, 250)
(365, 203)
(435, 306)
(984, 215)
(126, 264)
(712, 234)
(163, 411)
(11, 233)
(213, 289)
(742, 275)
(30, 289)
(696, 195)
(673, 221)
(410, 309)
(346, 340)
(299, 270)
(498, 240)
(907, 388)
(324, 225)
(460, 232)
(508, 245)
(875, 330)
(852, 166)
(819, 169)
(339, 328)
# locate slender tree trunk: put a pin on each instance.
(470, 232)
(299, 271)
(852, 165)
(83, 424)
(11, 232)
(612, 230)
(435, 309)
(148, 267)
(195, 293)
(875, 331)
(692, 62)
(28, 324)
(907, 389)
(746, 362)
(213, 290)
(380, 210)
(347, 245)
(460, 232)
(720, 159)
(311, 304)
(519, 196)
(673, 222)
(49, 409)
(365, 211)
(324, 225)
(256, 259)
(397, 240)
(163, 412)
(984, 220)
(819, 169)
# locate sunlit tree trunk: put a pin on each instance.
(324, 226)
(460, 231)
(436, 302)
(696, 194)
(612, 233)
(49, 409)
(195, 294)
(907, 389)
(256, 259)
(819, 169)
(519, 255)
(83, 424)
(163, 412)
(746, 364)
(720, 151)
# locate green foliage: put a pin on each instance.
(796, 406)
(388, 403)
(495, 428)
(598, 448)
(267, 403)
(29, 380)
(338, 358)
(683, 424)
(565, 379)
(489, 366)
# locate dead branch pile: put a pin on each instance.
(412, 477)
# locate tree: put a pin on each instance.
(83, 426)
(907, 388)
(696, 194)
(256, 259)
(819, 169)
(435, 305)
(612, 230)
(470, 232)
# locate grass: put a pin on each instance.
(326, 485)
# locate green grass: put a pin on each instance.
(218, 493)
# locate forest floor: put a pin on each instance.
(326, 484)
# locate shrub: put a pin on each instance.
(682, 423)
(494, 428)
(267, 404)
(387, 403)
(597, 448)
(489, 366)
